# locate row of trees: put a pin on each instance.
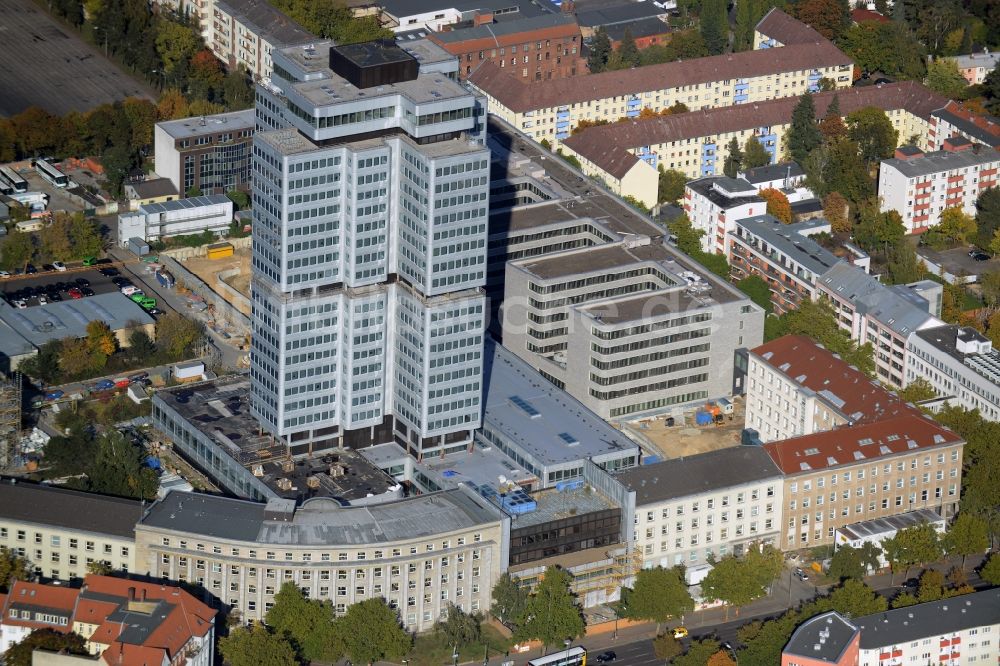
(72, 359)
(67, 237)
(333, 19)
(683, 45)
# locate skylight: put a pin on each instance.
(525, 406)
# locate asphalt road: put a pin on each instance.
(46, 64)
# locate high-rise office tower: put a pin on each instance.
(371, 185)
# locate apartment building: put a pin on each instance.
(960, 364)
(207, 154)
(796, 387)
(539, 48)
(920, 186)
(628, 328)
(695, 508)
(60, 532)
(626, 156)
(777, 29)
(872, 469)
(958, 631)
(371, 205)
(884, 316)
(551, 112)
(827, 639)
(193, 215)
(122, 621)
(438, 15)
(244, 33)
(421, 553)
(976, 66)
(714, 204)
(786, 257)
(954, 120)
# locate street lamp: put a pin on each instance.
(731, 651)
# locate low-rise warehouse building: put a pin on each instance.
(182, 217)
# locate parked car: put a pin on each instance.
(86, 291)
(4, 275)
(104, 385)
(121, 282)
(122, 382)
(55, 395)
(30, 270)
(82, 282)
(606, 657)
(74, 293)
(54, 297)
(138, 377)
(978, 255)
(42, 300)
(130, 289)
(147, 303)
(680, 632)
(48, 268)
(90, 261)
(109, 272)
(20, 305)
(137, 295)
(59, 266)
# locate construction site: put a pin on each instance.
(710, 427)
(10, 422)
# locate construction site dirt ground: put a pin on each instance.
(685, 438)
(208, 269)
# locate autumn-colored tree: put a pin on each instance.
(674, 109)
(100, 338)
(585, 124)
(720, 658)
(172, 105)
(33, 129)
(777, 204)
(829, 17)
(956, 225)
(835, 210)
(55, 238)
(75, 358)
(206, 75)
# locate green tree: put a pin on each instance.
(832, 126)
(306, 624)
(671, 185)
(872, 130)
(944, 78)
(76, 360)
(18, 249)
(658, 595)
(816, 320)
(55, 240)
(698, 653)
(119, 468)
(956, 225)
(878, 230)
(371, 632)
(904, 599)
(100, 568)
(20, 654)
(756, 288)
(509, 600)
(855, 599)
(12, 567)
(45, 364)
(100, 338)
(885, 47)
(176, 334)
(803, 135)
(903, 264)
(828, 17)
(666, 647)
(777, 204)
(991, 90)
(240, 199)
(734, 158)
(459, 628)
(714, 25)
(754, 154)
(736, 581)
(175, 44)
(256, 646)
(627, 51)
(990, 571)
(917, 391)
(846, 563)
(86, 235)
(968, 535)
(552, 614)
(913, 545)
(237, 90)
(931, 587)
(600, 51)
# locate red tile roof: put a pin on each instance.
(860, 15)
(900, 434)
(780, 26)
(984, 128)
(608, 145)
(845, 388)
(37, 597)
(519, 97)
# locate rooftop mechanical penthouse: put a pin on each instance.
(371, 184)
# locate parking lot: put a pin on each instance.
(53, 286)
(48, 65)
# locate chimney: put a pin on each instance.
(908, 153)
(482, 18)
(956, 144)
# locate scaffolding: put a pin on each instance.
(10, 420)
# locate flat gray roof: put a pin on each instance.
(269, 22)
(542, 419)
(945, 339)
(322, 522)
(787, 239)
(491, 30)
(552, 504)
(822, 638)
(184, 204)
(943, 160)
(895, 309)
(702, 473)
(69, 319)
(71, 509)
(185, 128)
(929, 620)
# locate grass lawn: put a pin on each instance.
(432, 650)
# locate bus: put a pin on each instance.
(50, 173)
(574, 656)
(10, 178)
